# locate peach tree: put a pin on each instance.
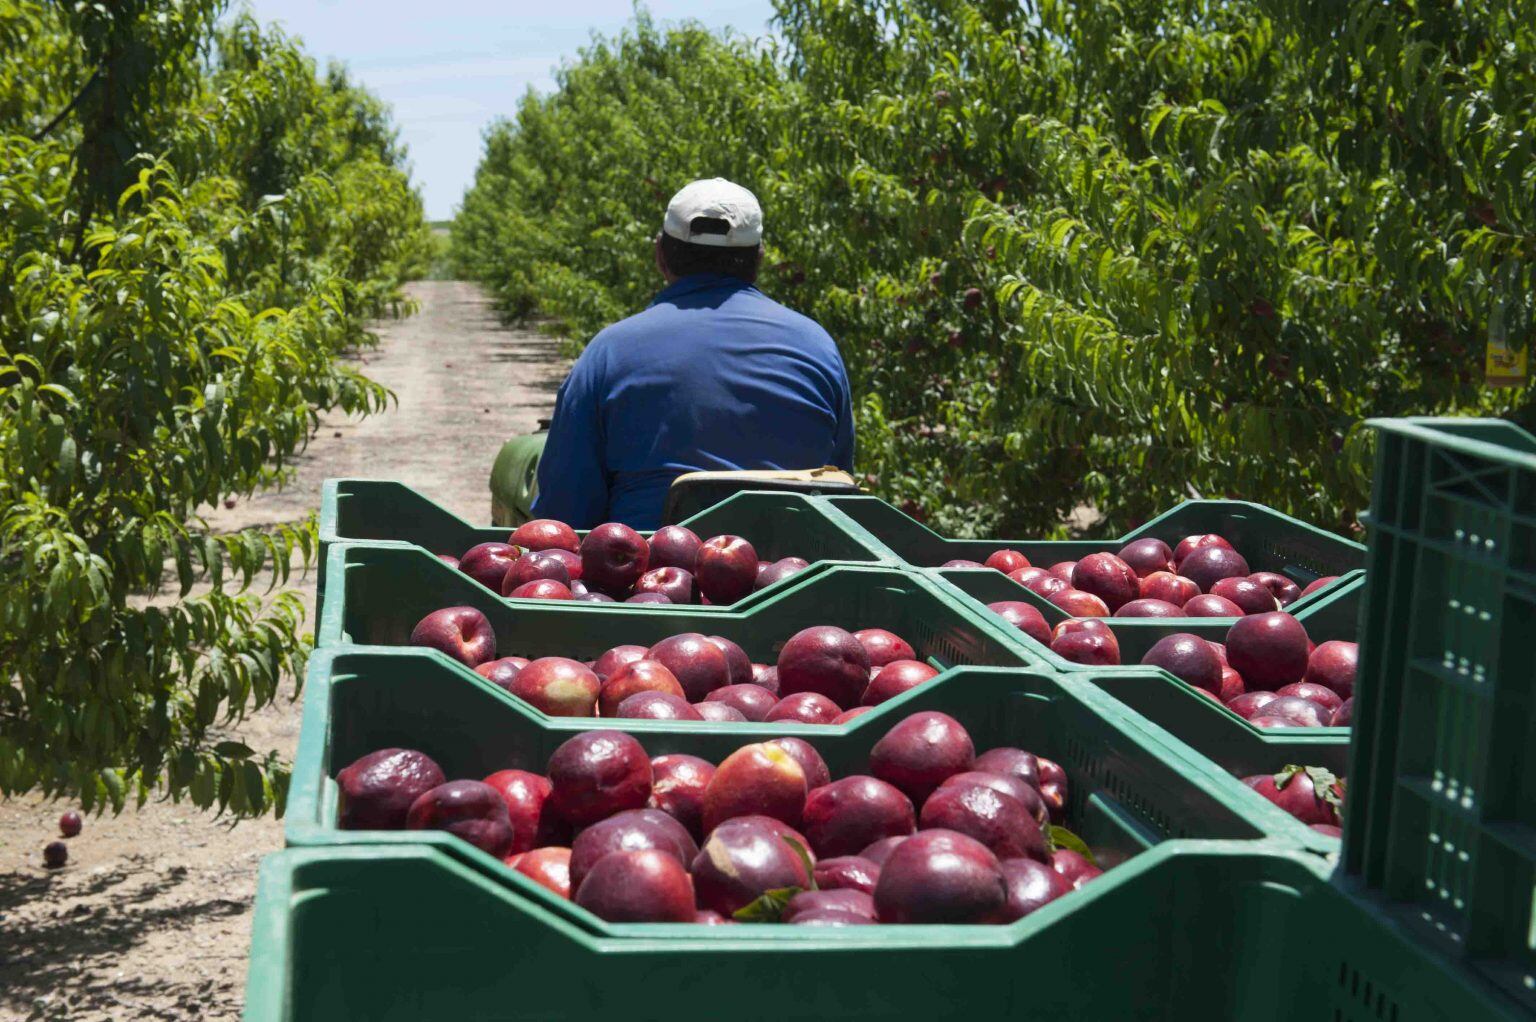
(1111, 254)
(195, 225)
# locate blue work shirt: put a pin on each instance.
(713, 376)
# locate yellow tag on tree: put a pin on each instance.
(1505, 366)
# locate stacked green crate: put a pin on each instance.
(1441, 828)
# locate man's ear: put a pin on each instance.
(661, 262)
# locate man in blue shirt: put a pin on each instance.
(713, 376)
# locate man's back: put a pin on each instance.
(713, 376)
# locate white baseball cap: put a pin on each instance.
(715, 199)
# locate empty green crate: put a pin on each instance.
(1131, 785)
(1267, 539)
(776, 524)
(1191, 930)
(379, 593)
(1446, 830)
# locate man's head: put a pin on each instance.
(711, 226)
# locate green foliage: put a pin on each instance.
(1109, 253)
(194, 225)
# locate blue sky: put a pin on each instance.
(448, 67)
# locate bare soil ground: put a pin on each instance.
(151, 917)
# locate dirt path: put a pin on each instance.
(151, 918)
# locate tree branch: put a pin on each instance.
(59, 118)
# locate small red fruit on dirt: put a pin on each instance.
(463, 633)
(70, 823)
(55, 854)
(596, 774)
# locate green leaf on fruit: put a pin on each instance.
(1327, 787)
(1061, 837)
(768, 907)
(805, 860)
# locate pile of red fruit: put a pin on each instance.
(1268, 671)
(765, 836)
(1311, 794)
(1203, 576)
(544, 560)
(824, 675)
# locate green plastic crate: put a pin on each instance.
(1188, 930)
(1268, 539)
(1131, 784)
(777, 525)
(1206, 726)
(378, 594)
(1447, 692)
